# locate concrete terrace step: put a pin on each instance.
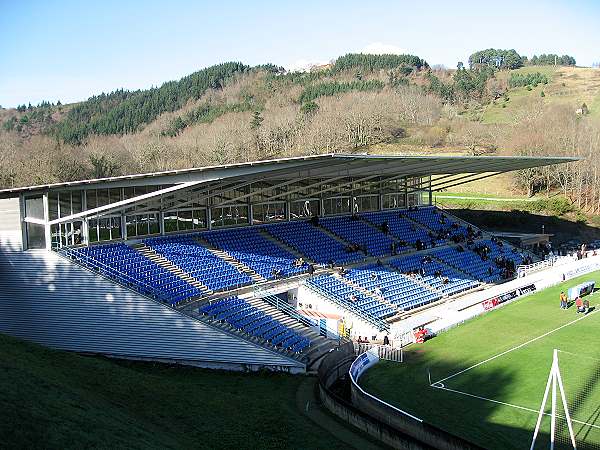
(333, 235)
(149, 253)
(240, 266)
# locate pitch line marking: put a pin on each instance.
(524, 408)
(515, 348)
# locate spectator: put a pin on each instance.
(386, 340)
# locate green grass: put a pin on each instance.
(54, 399)
(518, 377)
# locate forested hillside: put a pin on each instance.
(499, 103)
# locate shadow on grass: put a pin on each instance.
(486, 423)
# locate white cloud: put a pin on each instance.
(304, 65)
(379, 48)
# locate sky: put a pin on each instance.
(70, 50)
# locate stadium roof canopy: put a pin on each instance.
(470, 168)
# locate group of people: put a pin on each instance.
(582, 306)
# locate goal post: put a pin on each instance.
(554, 381)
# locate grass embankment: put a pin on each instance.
(54, 399)
(571, 86)
(518, 377)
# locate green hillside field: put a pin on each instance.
(488, 375)
(58, 400)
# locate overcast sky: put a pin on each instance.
(70, 50)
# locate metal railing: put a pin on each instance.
(377, 323)
(386, 352)
(111, 273)
(288, 309)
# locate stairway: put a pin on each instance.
(285, 246)
(149, 253)
(222, 254)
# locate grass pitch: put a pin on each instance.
(489, 374)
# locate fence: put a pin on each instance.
(385, 352)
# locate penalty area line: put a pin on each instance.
(513, 348)
(524, 408)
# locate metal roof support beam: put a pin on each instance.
(124, 203)
(457, 178)
(275, 186)
(468, 181)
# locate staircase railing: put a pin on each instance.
(377, 323)
(111, 273)
(288, 309)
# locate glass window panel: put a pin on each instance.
(65, 204)
(35, 236)
(92, 230)
(304, 209)
(55, 234)
(114, 195)
(367, 203)
(170, 221)
(131, 226)
(34, 207)
(104, 229)
(77, 226)
(153, 226)
(199, 216)
(392, 201)
(102, 197)
(91, 199)
(142, 224)
(53, 205)
(337, 205)
(185, 220)
(128, 192)
(76, 202)
(115, 227)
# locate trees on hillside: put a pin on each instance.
(370, 63)
(123, 112)
(496, 59)
(552, 59)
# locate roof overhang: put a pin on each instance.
(318, 166)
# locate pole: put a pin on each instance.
(541, 412)
(565, 406)
(553, 416)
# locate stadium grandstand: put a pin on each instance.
(230, 266)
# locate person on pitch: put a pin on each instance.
(563, 300)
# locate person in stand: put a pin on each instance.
(360, 341)
(563, 300)
(311, 269)
(386, 340)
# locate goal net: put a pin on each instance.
(569, 414)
